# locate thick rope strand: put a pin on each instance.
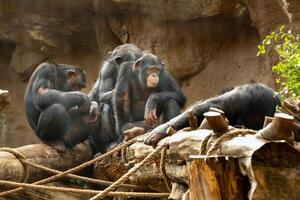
(83, 191)
(129, 173)
(162, 165)
(77, 168)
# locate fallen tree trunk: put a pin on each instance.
(273, 170)
(35, 194)
(12, 169)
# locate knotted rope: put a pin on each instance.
(129, 173)
(215, 148)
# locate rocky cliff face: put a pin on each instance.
(206, 45)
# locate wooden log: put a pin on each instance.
(4, 99)
(204, 124)
(281, 128)
(276, 168)
(216, 178)
(267, 121)
(12, 169)
(35, 194)
(216, 121)
(193, 121)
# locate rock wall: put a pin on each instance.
(206, 45)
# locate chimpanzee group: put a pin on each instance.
(133, 89)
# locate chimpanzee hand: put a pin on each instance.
(150, 110)
(85, 106)
(156, 135)
(94, 112)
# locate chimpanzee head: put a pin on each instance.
(149, 69)
(70, 78)
(124, 53)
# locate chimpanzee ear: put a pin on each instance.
(118, 60)
(71, 73)
(137, 65)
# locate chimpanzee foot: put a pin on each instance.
(59, 145)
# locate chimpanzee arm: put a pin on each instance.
(108, 78)
(167, 89)
(180, 121)
(121, 97)
(106, 90)
(46, 97)
(94, 93)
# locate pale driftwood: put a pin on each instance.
(12, 169)
(178, 191)
(281, 128)
(33, 194)
(4, 99)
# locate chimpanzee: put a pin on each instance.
(145, 91)
(55, 108)
(245, 105)
(102, 93)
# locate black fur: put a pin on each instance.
(103, 90)
(245, 105)
(132, 98)
(54, 113)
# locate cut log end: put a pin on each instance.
(281, 128)
(217, 121)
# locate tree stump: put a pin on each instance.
(216, 178)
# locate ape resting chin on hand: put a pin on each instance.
(56, 110)
(144, 92)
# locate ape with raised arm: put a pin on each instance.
(145, 91)
(103, 90)
(55, 109)
(245, 105)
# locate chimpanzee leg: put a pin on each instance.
(53, 123)
(106, 133)
(79, 130)
(171, 109)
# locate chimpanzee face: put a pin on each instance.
(149, 68)
(71, 78)
(152, 78)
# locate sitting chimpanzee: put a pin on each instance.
(55, 108)
(102, 93)
(245, 105)
(145, 91)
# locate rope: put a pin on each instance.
(123, 155)
(128, 174)
(85, 191)
(214, 149)
(162, 165)
(86, 179)
(19, 156)
(204, 144)
(77, 168)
